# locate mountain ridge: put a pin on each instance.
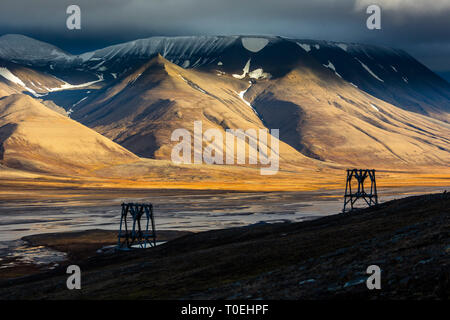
(389, 74)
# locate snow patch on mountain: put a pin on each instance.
(304, 46)
(77, 103)
(193, 85)
(255, 74)
(134, 80)
(331, 66)
(241, 95)
(67, 85)
(259, 74)
(374, 107)
(244, 71)
(5, 73)
(254, 44)
(343, 46)
(369, 71)
(98, 65)
(186, 64)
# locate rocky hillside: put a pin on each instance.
(325, 258)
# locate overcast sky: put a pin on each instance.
(421, 27)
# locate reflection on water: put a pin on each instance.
(194, 212)
(16, 252)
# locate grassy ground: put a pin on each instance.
(154, 175)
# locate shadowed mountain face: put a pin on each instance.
(326, 118)
(334, 103)
(388, 74)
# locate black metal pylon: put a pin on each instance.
(360, 175)
(136, 237)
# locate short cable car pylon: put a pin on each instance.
(135, 237)
(350, 197)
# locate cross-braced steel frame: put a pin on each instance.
(350, 197)
(136, 237)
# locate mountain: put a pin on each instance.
(27, 80)
(35, 138)
(142, 109)
(327, 118)
(55, 93)
(388, 74)
(319, 114)
(44, 58)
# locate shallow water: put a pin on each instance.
(192, 212)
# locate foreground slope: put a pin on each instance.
(35, 138)
(389, 74)
(320, 259)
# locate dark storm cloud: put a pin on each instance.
(420, 27)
